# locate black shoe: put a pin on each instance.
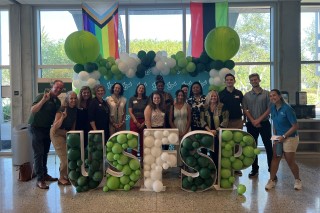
(239, 173)
(253, 174)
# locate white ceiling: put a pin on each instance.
(78, 2)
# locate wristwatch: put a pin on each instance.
(284, 136)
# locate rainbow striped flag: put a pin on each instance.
(101, 19)
(204, 18)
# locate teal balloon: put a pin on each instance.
(82, 47)
(222, 43)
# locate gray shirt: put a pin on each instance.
(256, 103)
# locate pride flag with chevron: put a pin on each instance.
(101, 19)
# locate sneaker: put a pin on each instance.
(297, 184)
(271, 184)
(239, 173)
(253, 173)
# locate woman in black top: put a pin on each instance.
(65, 121)
(84, 97)
(196, 101)
(99, 111)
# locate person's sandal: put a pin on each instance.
(67, 182)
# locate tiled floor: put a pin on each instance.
(19, 197)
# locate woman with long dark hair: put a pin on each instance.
(137, 104)
(286, 141)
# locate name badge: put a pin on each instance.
(135, 101)
(236, 96)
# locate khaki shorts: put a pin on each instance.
(291, 144)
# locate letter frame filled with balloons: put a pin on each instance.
(206, 163)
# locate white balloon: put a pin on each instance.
(146, 167)
(165, 156)
(165, 166)
(233, 72)
(149, 160)
(173, 138)
(172, 160)
(95, 75)
(165, 141)
(157, 186)
(133, 55)
(171, 62)
(166, 133)
(131, 62)
(117, 61)
(158, 134)
(160, 65)
(91, 82)
(148, 183)
(213, 73)
(211, 82)
(164, 53)
(157, 58)
(158, 143)
(131, 73)
(123, 67)
(223, 72)
(124, 56)
(156, 151)
(146, 174)
(146, 133)
(146, 151)
(76, 84)
(84, 75)
(158, 168)
(154, 175)
(165, 71)
(155, 71)
(217, 81)
(159, 161)
(153, 166)
(148, 141)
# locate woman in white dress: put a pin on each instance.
(180, 114)
(117, 103)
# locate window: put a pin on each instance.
(52, 60)
(153, 29)
(5, 106)
(310, 53)
(254, 29)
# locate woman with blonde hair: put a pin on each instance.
(65, 121)
(213, 117)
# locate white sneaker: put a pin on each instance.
(271, 184)
(297, 184)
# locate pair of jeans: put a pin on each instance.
(41, 145)
(265, 132)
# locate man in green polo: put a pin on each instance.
(43, 112)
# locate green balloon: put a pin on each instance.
(82, 47)
(241, 189)
(222, 43)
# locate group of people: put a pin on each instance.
(49, 120)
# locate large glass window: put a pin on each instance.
(52, 60)
(5, 98)
(154, 29)
(310, 54)
(254, 29)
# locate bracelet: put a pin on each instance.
(284, 136)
